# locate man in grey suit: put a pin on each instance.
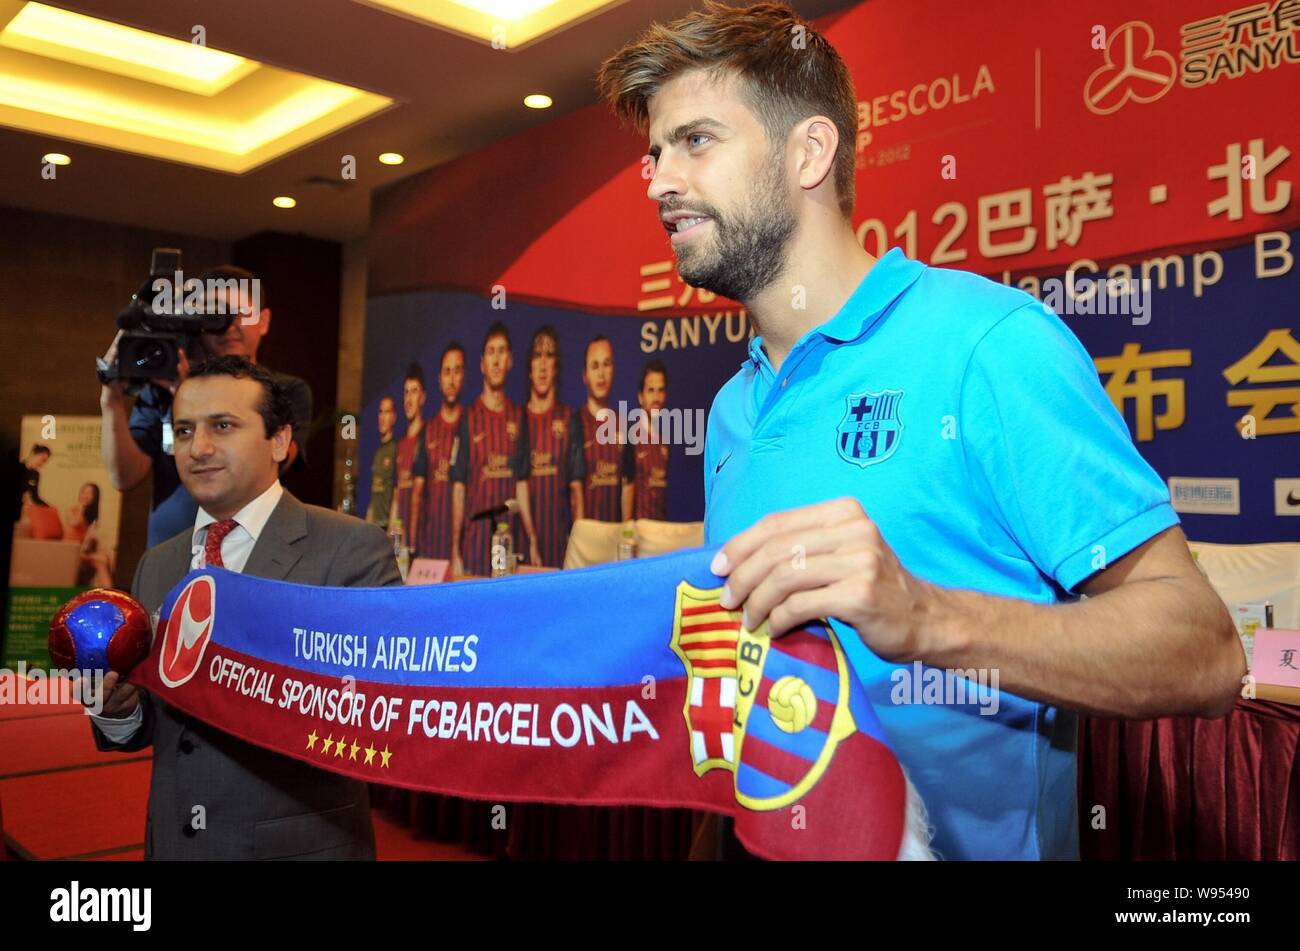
(214, 796)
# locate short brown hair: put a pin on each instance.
(784, 82)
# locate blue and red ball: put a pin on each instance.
(100, 629)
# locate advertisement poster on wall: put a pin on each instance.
(65, 540)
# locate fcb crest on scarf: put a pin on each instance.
(770, 711)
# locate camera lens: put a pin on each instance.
(151, 357)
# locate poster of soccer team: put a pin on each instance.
(572, 415)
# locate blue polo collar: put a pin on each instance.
(885, 283)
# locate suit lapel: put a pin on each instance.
(275, 553)
(178, 562)
(172, 567)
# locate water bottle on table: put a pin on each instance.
(503, 551)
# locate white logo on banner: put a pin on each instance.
(1205, 496)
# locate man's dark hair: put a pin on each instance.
(39, 450)
(496, 330)
(229, 272)
(654, 366)
(548, 332)
(599, 338)
(782, 81)
(416, 373)
(453, 347)
(276, 410)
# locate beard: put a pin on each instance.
(749, 245)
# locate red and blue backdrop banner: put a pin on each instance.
(1074, 130)
(520, 689)
(1020, 140)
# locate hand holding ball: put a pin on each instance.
(100, 629)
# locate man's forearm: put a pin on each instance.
(457, 516)
(575, 500)
(127, 465)
(1108, 655)
(525, 509)
(413, 530)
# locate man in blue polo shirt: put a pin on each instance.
(924, 456)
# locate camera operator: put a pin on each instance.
(136, 444)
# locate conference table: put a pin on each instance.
(1189, 789)
(1176, 788)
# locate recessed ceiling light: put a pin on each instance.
(538, 101)
(55, 158)
(73, 78)
(502, 24)
(392, 158)
(284, 201)
(101, 44)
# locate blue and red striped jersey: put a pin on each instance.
(556, 460)
(435, 513)
(492, 455)
(649, 462)
(411, 465)
(606, 468)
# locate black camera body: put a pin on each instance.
(156, 327)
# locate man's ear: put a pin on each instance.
(264, 321)
(818, 139)
(280, 441)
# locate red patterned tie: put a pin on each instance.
(217, 533)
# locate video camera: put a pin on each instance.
(157, 325)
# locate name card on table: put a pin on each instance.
(1277, 665)
(428, 571)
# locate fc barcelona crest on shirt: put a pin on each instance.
(871, 427)
(771, 712)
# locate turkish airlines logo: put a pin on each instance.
(1142, 73)
(187, 633)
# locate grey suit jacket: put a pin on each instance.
(255, 804)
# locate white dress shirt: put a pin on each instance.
(238, 545)
(235, 549)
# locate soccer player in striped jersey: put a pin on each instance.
(647, 454)
(603, 496)
(384, 467)
(556, 467)
(440, 432)
(412, 465)
(491, 463)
